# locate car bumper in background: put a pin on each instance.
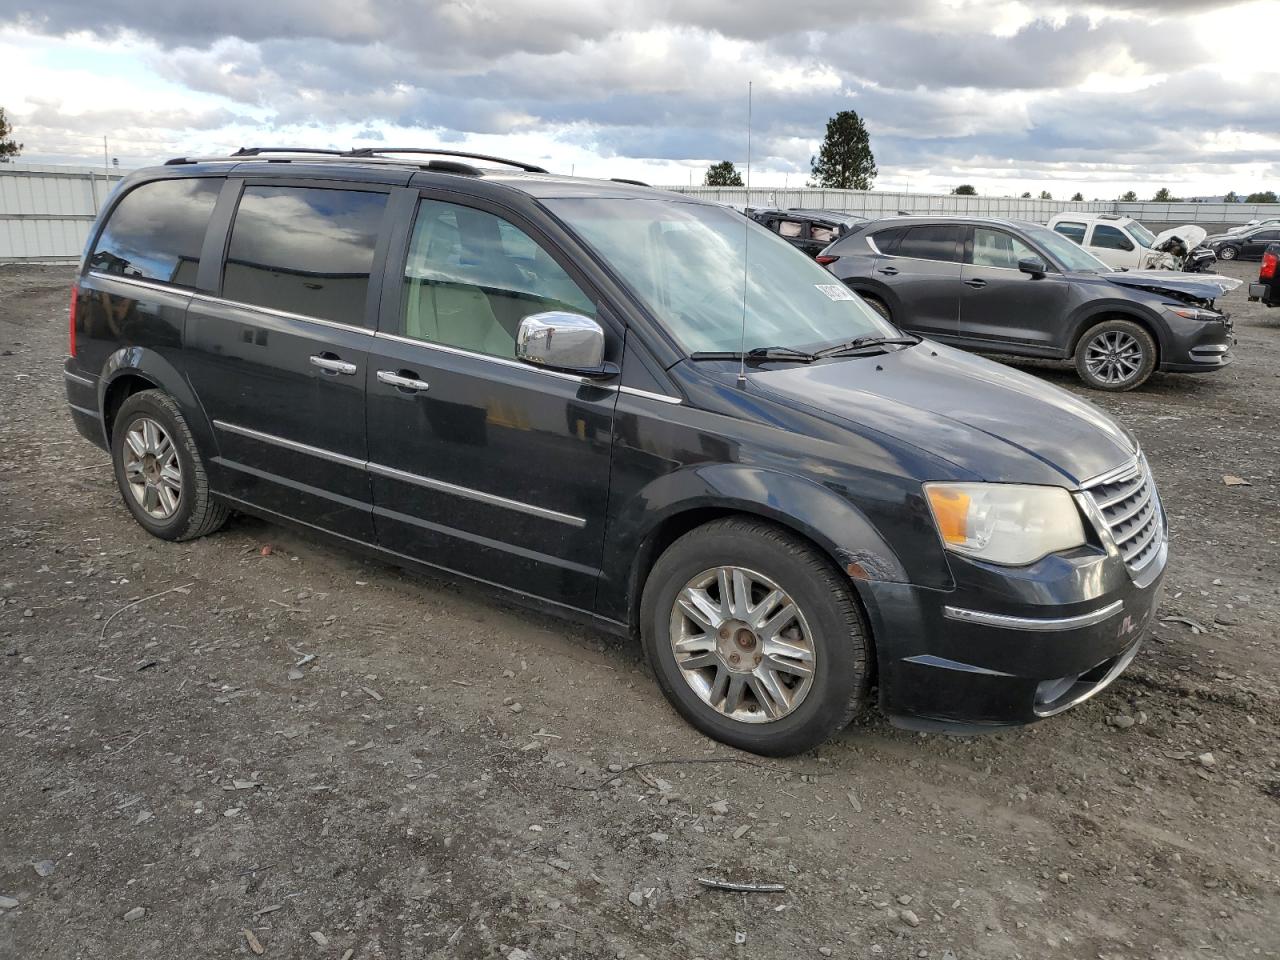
(1268, 293)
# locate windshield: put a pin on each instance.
(1141, 234)
(1072, 258)
(685, 260)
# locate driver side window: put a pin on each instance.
(1110, 238)
(471, 277)
(995, 248)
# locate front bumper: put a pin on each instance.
(1011, 646)
(1197, 346)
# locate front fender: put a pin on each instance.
(151, 365)
(829, 520)
(1112, 308)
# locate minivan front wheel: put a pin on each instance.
(1116, 355)
(755, 638)
(159, 470)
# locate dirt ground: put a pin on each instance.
(444, 776)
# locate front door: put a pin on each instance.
(278, 359)
(1000, 303)
(480, 463)
(1114, 247)
(1257, 243)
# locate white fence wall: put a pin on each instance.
(877, 203)
(46, 211)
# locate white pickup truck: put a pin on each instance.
(1123, 242)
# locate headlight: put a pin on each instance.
(1007, 523)
(1195, 313)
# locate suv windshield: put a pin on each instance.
(685, 262)
(1072, 258)
(1141, 233)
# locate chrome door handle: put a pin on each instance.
(333, 364)
(405, 383)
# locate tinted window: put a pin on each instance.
(933, 242)
(995, 248)
(1109, 238)
(1072, 231)
(304, 250)
(156, 231)
(472, 277)
(1266, 235)
(886, 241)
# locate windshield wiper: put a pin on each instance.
(865, 343)
(756, 354)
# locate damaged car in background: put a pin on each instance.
(1125, 244)
(1013, 287)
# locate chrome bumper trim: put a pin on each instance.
(1035, 624)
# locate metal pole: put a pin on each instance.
(106, 164)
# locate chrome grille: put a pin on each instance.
(1130, 508)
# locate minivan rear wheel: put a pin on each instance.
(1115, 355)
(159, 470)
(755, 638)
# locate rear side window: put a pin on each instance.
(1070, 230)
(932, 242)
(886, 241)
(1109, 238)
(304, 250)
(822, 234)
(156, 230)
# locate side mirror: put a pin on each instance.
(1034, 266)
(559, 340)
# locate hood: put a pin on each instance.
(988, 419)
(1201, 286)
(1188, 233)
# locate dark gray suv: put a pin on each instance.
(1006, 286)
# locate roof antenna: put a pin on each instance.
(746, 237)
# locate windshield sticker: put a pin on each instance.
(835, 291)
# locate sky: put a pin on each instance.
(1009, 97)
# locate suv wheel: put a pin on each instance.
(1228, 253)
(879, 306)
(159, 470)
(755, 638)
(1117, 355)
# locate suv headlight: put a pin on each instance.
(1009, 523)
(1194, 313)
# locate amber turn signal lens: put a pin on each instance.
(951, 511)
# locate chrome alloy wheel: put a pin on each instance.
(742, 644)
(151, 468)
(1113, 356)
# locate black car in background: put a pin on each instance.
(1006, 286)
(535, 383)
(1267, 289)
(810, 230)
(1246, 245)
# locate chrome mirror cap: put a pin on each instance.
(561, 340)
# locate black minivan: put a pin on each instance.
(622, 405)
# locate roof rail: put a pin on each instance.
(258, 151)
(634, 183)
(383, 151)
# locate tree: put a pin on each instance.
(1026, 195)
(9, 148)
(965, 190)
(1231, 197)
(1129, 196)
(1046, 195)
(1077, 196)
(845, 160)
(1164, 196)
(1263, 196)
(722, 174)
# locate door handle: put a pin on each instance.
(403, 381)
(975, 283)
(888, 271)
(331, 364)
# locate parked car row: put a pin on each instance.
(616, 404)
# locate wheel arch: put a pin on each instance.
(132, 369)
(1105, 314)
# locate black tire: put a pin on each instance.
(840, 639)
(1138, 345)
(879, 306)
(197, 513)
(1228, 253)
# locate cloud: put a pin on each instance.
(944, 87)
